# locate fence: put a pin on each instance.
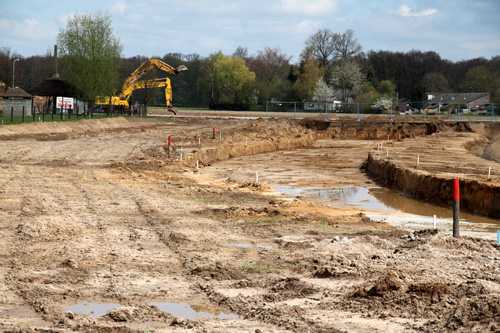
(455, 112)
(47, 112)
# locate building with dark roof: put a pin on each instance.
(17, 101)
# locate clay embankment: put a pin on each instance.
(493, 148)
(425, 169)
(65, 130)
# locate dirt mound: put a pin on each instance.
(288, 288)
(387, 283)
(217, 271)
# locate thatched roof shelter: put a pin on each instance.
(16, 93)
(53, 86)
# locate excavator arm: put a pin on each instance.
(133, 82)
(153, 83)
(146, 66)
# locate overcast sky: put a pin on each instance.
(456, 29)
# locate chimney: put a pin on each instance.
(56, 74)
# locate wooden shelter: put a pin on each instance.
(17, 101)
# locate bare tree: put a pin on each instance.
(323, 44)
(241, 52)
(270, 64)
(345, 46)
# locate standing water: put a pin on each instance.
(380, 199)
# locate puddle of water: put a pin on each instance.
(267, 247)
(184, 310)
(240, 245)
(93, 310)
(380, 199)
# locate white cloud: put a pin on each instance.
(117, 6)
(309, 7)
(411, 11)
(307, 27)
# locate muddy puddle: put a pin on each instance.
(93, 310)
(183, 310)
(187, 311)
(381, 199)
(245, 246)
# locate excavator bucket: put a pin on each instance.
(181, 68)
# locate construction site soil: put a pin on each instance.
(105, 228)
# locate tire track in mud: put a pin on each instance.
(290, 317)
(102, 238)
(16, 237)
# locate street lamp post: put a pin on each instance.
(14, 72)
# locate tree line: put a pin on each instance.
(332, 66)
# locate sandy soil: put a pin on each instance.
(96, 213)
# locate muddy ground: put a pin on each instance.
(100, 212)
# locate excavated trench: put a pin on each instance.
(478, 197)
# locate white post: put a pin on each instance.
(256, 177)
(378, 147)
(199, 141)
(181, 156)
(418, 159)
(434, 221)
(220, 135)
(197, 165)
(489, 173)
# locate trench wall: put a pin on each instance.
(476, 197)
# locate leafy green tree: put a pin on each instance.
(91, 54)
(210, 81)
(477, 79)
(309, 74)
(419, 97)
(234, 75)
(436, 82)
(387, 88)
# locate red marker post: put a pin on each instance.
(214, 133)
(456, 208)
(169, 145)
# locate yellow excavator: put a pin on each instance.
(133, 82)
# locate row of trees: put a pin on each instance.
(332, 66)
